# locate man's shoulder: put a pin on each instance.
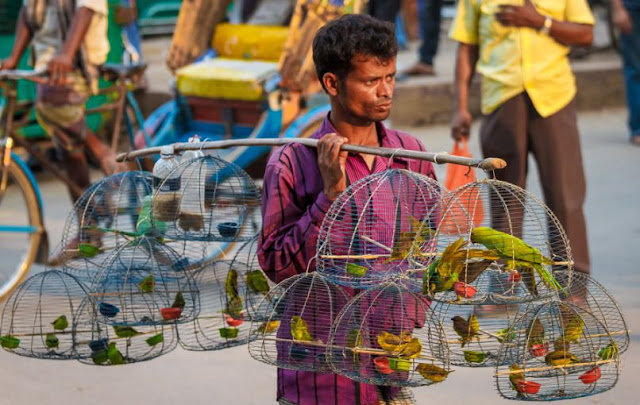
(292, 157)
(404, 140)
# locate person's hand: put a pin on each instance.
(8, 64)
(59, 67)
(461, 125)
(332, 163)
(621, 20)
(520, 16)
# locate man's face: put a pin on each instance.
(365, 94)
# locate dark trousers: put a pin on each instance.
(385, 10)
(429, 13)
(514, 130)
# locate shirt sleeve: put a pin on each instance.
(578, 11)
(289, 228)
(97, 6)
(465, 24)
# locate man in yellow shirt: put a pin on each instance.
(521, 50)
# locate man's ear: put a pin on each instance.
(330, 81)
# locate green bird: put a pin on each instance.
(234, 301)
(516, 252)
(125, 331)
(516, 376)
(407, 241)
(411, 350)
(560, 358)
(535, 334)
(354, 338)
(61, 323)
(432, 372)
(178, 301)
(466, 329)
(51, 341)
(114, 355)
(268, 327)
(257, 282)
(148, 284)
(300, 330)
(609, 351)
(573, 329)
(473, 356)
(99, 356)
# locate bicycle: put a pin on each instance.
(23, 237)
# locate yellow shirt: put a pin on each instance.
(513, 60)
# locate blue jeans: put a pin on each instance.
(429, 12)
(631, 57)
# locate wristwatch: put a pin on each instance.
(546, 27)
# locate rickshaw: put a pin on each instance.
(246, 81)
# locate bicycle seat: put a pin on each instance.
(113, 71)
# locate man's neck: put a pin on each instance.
(358, 133)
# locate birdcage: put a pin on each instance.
(38, 318)
(255, 284)
(475, 332)
(296, 328)
(558, 351)
(508, 257)
(214, 203)
(381, 225)
(144, 283)
(111, 345)
(389, 336)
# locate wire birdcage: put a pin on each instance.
(497, 243)
(475, 332)
(389, 336)
(100, 221)
(558, 351)
(301, 318)
(588, 294)
(144, 283)
(38, 318)
(376, 226)
(214, 203)
(111, 345)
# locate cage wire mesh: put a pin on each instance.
(143, 283)
(588, 294)
(475, 333)
(213, 204)
(558, 351)
(496, 243)
(111, 345)
(228, 289)
(38, 318)
(376, 226)
(99, 221)
(302, 318)
(389, 336)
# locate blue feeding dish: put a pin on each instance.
(108, 310)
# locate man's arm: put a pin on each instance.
(621, 17)
(466, 59)
(22, 40)
(62, 63)
(566, 32)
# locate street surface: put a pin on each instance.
(233, 377)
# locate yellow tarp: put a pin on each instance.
(257, 42)
(228, 79)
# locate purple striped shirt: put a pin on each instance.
(293, 208)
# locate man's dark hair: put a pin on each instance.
(340, 40)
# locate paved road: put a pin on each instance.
(232, 377)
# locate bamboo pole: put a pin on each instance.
(545, 368)
(438, 158)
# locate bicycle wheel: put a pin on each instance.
(20, 228)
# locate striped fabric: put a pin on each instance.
(294, 206)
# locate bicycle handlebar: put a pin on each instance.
(36, 76)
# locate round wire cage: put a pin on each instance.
(496, 243)
(225, 299)
(145, 282)
(558, 351)
(111, 345)
(100, 220)
(301, 317)
(475, 332)
(379, 227)
(38, 318)
(389, 336)
(587, 293)
(214, 203)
